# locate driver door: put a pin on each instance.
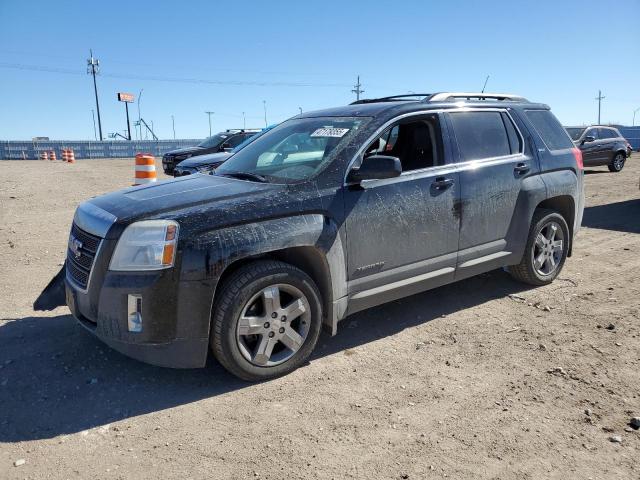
(402, 233)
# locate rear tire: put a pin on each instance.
(546, 249)
(617, 164)
(266, 320)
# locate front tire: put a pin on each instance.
(546, 249)
(617, 164)
(266, 320)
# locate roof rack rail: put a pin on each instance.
(394, 98)
(452, 96)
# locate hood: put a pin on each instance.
(178, 196)
(179, 151)
(209, 159)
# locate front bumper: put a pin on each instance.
(168, 164)
(175, 316)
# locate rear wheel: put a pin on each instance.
(266, 320)
(617, 163)
(546, 250)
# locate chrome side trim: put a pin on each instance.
(93, 219)
(401, 283)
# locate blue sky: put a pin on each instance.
(190, 57)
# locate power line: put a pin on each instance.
(67, 71)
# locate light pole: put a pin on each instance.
(264, 104)
(139, 123)
(633, 123)
(300, 108)
(599, 98)
(209, 113)
(173, 124)
(244, 121)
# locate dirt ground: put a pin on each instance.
(486, 378)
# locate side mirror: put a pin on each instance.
(376, 167)
(588, 138)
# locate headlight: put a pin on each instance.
(205, 168)
(146, 245)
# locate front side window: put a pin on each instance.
(294, 150)
(481, 135)
(592, 132)
(575, 132)
(213, 141)
(416, 142)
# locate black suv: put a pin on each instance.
(329, 213)
(601, 146)
(220, 142)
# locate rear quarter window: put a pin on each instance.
(550, 130)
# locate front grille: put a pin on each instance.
(80, 261)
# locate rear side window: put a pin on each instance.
(548, 127)
(480, 135)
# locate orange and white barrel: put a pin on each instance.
(145, 169)
(64, 155)
(71, 157)
(44, 155)
(52, 155)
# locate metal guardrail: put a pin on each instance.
(30, 150)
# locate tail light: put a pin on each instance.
(577, 153)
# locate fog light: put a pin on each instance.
(134, 313)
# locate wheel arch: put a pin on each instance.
(565, 205)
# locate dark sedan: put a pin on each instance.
(220, 142)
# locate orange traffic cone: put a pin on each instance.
(71, 157)
(145, 169)
(65, 157)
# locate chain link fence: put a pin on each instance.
(30, 150)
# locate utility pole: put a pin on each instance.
(139, 117)
(173, 124)
(357, 90)
(93, 67)
(633, 123)
(485, 84)
(95, 134)
(264, 104)
(244, 121)
(599, 98)
(300, 108)
(209, 113)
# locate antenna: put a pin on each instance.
(485, 84)
(357, 90)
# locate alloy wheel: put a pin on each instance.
(273, 325)
(618, 162)
(548, 249)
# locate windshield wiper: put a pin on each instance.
(244, 176)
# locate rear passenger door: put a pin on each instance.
(492, 163)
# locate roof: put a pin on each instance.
(413, 102)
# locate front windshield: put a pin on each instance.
(294, 150)
(213, 141)
(575, 132)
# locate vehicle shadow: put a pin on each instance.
(56, 379)
(620, 216)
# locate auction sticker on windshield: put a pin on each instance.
(330, 132)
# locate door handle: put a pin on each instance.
(522, 168)
(441, 183)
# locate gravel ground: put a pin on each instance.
(486, 378)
